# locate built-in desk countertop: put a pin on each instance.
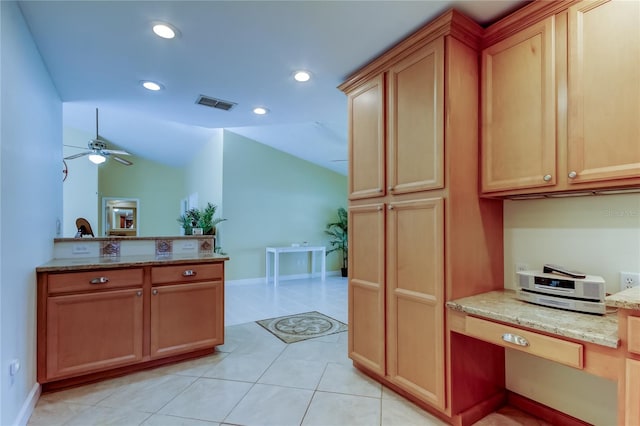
(504, 307)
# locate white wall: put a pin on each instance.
(30, 201)
(80, 190)
(599, 235)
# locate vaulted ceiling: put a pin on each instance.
(244, 52)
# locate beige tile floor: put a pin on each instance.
(253, 379)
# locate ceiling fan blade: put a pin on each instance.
(122, 161)
(82, 154)
(115, 151)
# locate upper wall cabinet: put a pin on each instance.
(604, 91)
(518, 115)
(402, 106)
(366, 150)
(561, 99)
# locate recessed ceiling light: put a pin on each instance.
(165, 30)
(302, 76)
(260, 110)
(152, 85)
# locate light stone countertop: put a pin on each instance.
(504, 307)
(626, 299)
(90, 263)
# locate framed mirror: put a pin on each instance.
(121, 217)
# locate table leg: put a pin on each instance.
(313, 262)
(323, 264)
(266, 262)
(276, 268)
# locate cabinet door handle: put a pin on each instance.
(515, 339)
(391, 189)
(99, 280)
(547, 178)
(189, 273)
(154, 292)
(138, 293)
(572, 174)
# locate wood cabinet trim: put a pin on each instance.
(450, 23)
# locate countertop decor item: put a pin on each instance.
(204, 219)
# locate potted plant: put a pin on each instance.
(338, 233)
(196, 218)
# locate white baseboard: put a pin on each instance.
(261, 280)
(29, 405)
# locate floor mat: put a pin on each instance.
(298, 327)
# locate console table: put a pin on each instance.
(290, 249)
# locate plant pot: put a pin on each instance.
(345, 272)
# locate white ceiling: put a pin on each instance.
(240, 51)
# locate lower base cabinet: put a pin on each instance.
(88, 332)
(182, 319)
(93, 321)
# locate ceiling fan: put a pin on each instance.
(98, 152)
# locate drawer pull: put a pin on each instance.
(189, 273)
(154, 292)
(138, 293)
(515, 339)
(99, 280)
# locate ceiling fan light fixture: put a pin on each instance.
(302, 76)
(151, 85)
(97, 158)
(164, 30)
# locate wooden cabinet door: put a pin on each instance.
(416, 121)
(415, 298)
(93, 332)
(366, 286)
(604, 91)
(518, 110)
(366, 140)
(632, 399)
(186, 317)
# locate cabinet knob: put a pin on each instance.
(572, 174)
(390, 189)
(138, 293)
(380, 190)
(99, 280)
(154, 292)
(379, 208)
(390, 207)
(547, 178)
(189, 273)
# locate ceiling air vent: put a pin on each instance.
(215, 103)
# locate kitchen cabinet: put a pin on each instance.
(182, 318)
(424, 235)
(93, 322)
(366, 133)
(94, 331)
(560, 99)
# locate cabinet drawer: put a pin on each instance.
(633, 334)
(187, 273)
(553, 349)
(95, 280)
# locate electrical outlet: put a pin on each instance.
(521, 267)
(629, 279)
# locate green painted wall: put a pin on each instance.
(272, 198)
(158, 187)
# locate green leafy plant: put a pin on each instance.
(338, 233)
(196, 218)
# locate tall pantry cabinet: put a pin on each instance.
(419, 234)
